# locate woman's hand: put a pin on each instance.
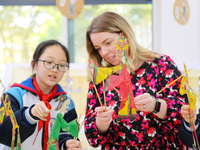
(186, 113)
(73, 145)
(103, 119)
(40, 110)
(145, 102)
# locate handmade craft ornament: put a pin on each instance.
(9, 112)
(61, 98)
(192, 106)
(126, 94)
(71, 127)
(2, 114)
(100, 74)
(5, 111)
(121, 43)
(182, 89)
(172, 82)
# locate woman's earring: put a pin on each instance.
(103, 63)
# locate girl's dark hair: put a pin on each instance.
(41, 48)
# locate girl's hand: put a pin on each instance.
(145, 102)
(40, 110)
(71, 145)
(103, 119)
(185, 113)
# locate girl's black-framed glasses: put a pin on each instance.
(51, 65)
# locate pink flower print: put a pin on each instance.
(91, 86)
(116, 128)
(149, 76)
(133, 87)
(140, 136)
(160, 63)
(153, 83)
(173, 114)
(90, 95)
(108, 98)
(92, 101)
(123, 143)
(107, 146)
(177, 122)
(145, 125)
(141, 81)
(121, 134)
(170, 81)
(88, 113)
(169, 73)
(163, 68)
(140, 72)
(114, 116)
(173, 102)
(112, 103)
(132, 142)
(94, 114)
(151, 131)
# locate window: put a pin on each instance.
(138, 15)
(24, 27)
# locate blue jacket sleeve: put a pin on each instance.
(186, 135)
(26, 129)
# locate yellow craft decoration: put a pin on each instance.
(125, 110)
(2, 113)
(122, 49)
(182, 86)
(134, 111)
(192, 100)
(103, 73)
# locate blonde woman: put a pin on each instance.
(156, 122)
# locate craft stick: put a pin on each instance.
(52, 109)
(194, 135)
(172, 82)
(75, 140)
(81, 124)
(95, 89)
(79, 118)
(116, 90)
(104, 97)
(97, 95)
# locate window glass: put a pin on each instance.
(23, 27)
(138, 15)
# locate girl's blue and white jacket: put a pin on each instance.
(23, 97)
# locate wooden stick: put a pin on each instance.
(52, 109)
(95, 88)
(116, 90)
(104, 97)
(81, 124)
(97, 95)
(75, 140)
(172, 82)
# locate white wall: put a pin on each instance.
(181, 42)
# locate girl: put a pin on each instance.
(32, 100)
